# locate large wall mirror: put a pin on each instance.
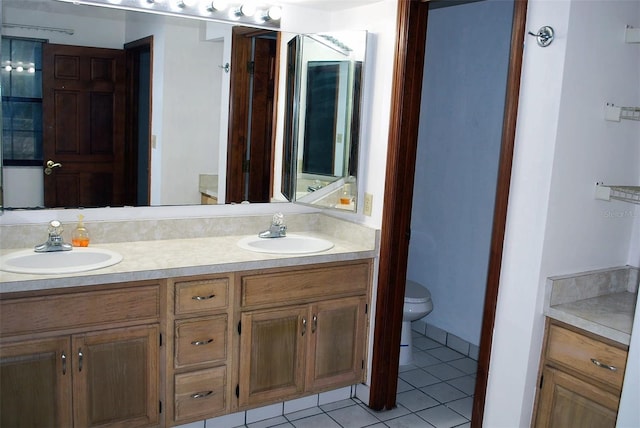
(187, 125)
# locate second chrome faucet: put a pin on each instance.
(277, 229)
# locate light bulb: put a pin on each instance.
(187, 3)
(218, 5)
(20, 69)
(31, 69)
(7, 68)
(274, 13)
(247, 10)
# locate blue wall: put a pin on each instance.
(457, 160)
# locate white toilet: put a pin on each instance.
(417, 304)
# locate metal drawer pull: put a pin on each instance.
(604, 366)
(304, 326)
(204, 297)
(64, 364)
(203, 394)
(201, 342)
(314, 326)
(80, 359)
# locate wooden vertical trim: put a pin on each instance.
(398, 195)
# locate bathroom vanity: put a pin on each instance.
(584, 355)
(183, 330)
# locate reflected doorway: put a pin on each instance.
(138, 125)
(253, 92)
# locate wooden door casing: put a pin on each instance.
(83, 108)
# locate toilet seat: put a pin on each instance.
(416, 293)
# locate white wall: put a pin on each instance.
(459, 136)
(191, 112)
(563, 146)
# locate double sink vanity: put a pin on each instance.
(185, 329)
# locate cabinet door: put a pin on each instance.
(115, 377)
(272, 354)
(337, 343)
(567, 402)
(35, 383)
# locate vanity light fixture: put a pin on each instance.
(256, 13)
(19, 68)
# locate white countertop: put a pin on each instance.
(602, 302)
(181, 257)
(609, 316)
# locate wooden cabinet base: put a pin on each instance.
(580, 379)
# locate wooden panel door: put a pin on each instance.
(83, 107)
(251, 115)
(568, 402)
(336, 354)
(116, 377)
(35, 383)
(272, 354)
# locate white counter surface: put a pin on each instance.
(602, 302)
(182, 257)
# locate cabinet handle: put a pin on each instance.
(304, 326)
(314, 326)
(202, 394)
(201, 342)
(80, 358)
(603, 365)
(64, 363)
(211, 296)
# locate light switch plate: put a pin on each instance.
(368, 204)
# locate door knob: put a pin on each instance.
(50, 165)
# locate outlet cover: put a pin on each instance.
(368, 204)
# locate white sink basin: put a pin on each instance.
(77, 260)
(290, 244)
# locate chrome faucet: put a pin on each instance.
(277, 229)
(55, 241)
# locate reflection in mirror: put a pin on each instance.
(322, 133)
(187, 107)
(185, 161)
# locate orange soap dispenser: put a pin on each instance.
(80, 237)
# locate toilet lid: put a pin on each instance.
(416, 293)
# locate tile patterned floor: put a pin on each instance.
(435, 391)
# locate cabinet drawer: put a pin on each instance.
(297, 286)
(200, 393)
(200, 340)
(75, 310)
(584, 354)
(201, 295)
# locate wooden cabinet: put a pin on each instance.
(580, 379)
(41, 366)
(77, 369)
(174, 351)
(302, 330)
(199, 331)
